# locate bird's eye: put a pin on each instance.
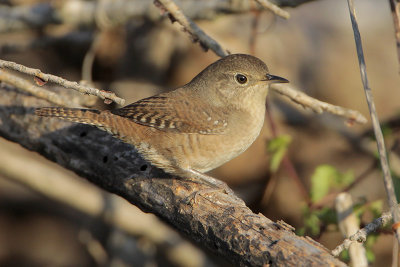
(240, 78)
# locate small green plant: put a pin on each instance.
(277, 147)
(327, 179)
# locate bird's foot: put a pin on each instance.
(217, 186)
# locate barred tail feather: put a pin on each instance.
(103, 120)
(86, 116)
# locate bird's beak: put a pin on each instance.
(275, 79)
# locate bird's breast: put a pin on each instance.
(207, 152)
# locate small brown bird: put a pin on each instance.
(194, 128)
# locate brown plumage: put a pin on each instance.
(194, 128)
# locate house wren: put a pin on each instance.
(194, 128)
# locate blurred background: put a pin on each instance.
(293, 171)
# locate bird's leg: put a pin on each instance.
(217, 185)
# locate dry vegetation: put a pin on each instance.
(293, 172)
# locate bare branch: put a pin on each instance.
(216, 220)
(274, 8)
(361, 235)
(44, 78)
(395, 253)
(316, 105)
(387, 177)
(395, 8)
(37, 91)
(348, 225)
(197, 34)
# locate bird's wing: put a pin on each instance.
(175, 115)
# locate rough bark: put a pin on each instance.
(215, 220)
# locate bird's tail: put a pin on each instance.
(101, 119)
(86, 116)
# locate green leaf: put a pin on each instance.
(343, 179)
(321, 181)
(325, 177)
(370, 255)
(301, 231)
(312, 223)
(277, 147)
(327, 215)
(345, 256)
(314, 219)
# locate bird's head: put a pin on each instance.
(239, 80)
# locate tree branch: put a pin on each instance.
(380, 142)
(216, 220)
(395, 8)
(274, 8)
(361, 235)
(197, 34)
(42, 78)
(348, 225)
(316, 105)
(37, 91)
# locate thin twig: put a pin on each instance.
(37, 91)
(387, 177)
(316, 105)
(88, 60)
(361, 235)
(348, 225)
(395, 253)
(274, 8)
(106, 95)
(395, 8)
(197, 34)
